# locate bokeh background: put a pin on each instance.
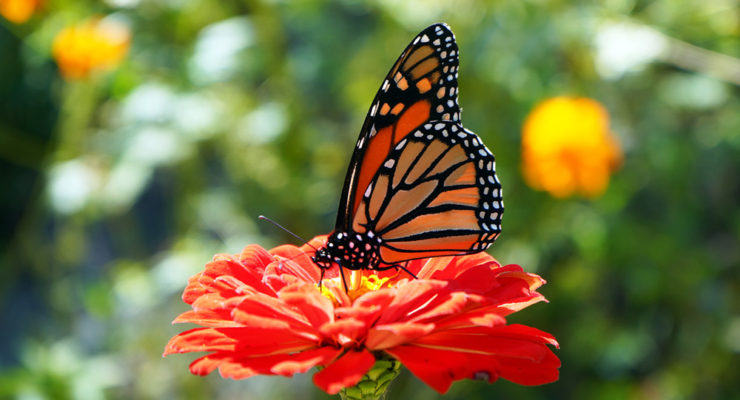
(123, 173)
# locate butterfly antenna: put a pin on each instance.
(287, 231)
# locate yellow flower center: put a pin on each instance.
(357, 285)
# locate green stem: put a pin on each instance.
(374, 384)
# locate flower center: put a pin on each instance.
(357, 285)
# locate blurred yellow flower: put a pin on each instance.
(97, 44)
(18, 11)
(567, 147)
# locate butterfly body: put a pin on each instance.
(351, 250)
(419, 184)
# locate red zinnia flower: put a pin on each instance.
(264, 314)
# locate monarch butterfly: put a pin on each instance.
(419, 184)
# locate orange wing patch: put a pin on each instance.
(384, 140)
(439, 221)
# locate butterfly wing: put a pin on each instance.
(436, 194)
(420, 87)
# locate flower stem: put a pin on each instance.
(374, 384)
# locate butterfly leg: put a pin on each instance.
(403, 267)
(344, 281)
(321, 279)
(396, 267)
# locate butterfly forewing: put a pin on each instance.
(420, 87)
(436, 194)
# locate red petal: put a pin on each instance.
(391, 335)
(449, 268)
(206, 364)
(482, 316)
(259, 309)
(410, 298)
(305, 360)
(278, 364)
(443, 305)
(368, 307)
(436, 368)
(344, 372)
(476, 279)
(515, 352)
(527, 373)
(344, 331)
(255, 254)
(294, 261)
(307, 299)
(199, 339)
(492, 341)
(208, 318)
(241, 341)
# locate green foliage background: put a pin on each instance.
(116, 189)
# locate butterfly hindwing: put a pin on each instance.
(420, 87)
(436, 194)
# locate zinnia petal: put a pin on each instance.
(345, 372)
